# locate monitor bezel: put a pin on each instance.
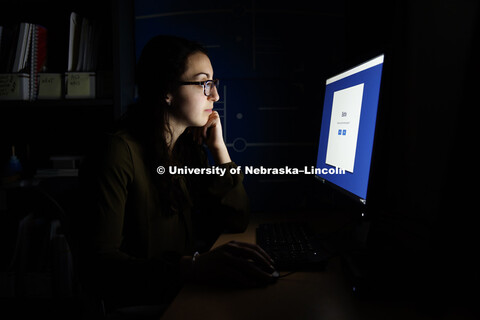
(358, 199)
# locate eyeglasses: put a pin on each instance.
(207, 85)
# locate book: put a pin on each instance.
(23, 42)
(1, 33)
(7, 45)
(74, 41)
(11, 50)
(83, 44)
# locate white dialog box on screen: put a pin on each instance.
(344, 122)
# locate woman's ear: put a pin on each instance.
(168, 98)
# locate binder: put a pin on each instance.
(25, 60)
(38, 57)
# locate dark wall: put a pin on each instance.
(425, 175)
(427, 148)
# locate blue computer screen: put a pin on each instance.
(348, 127)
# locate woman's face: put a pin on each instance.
(190, 106)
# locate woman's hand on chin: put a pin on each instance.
(212, 134)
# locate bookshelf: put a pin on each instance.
(42, 128)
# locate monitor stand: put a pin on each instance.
(356, 258)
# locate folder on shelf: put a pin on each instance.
(80, 85)
(50, 86)
(14, 86)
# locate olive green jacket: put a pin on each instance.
(128, 244)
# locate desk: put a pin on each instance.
(302, 295)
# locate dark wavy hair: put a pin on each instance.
(161, 64)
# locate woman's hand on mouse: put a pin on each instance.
(236, 264)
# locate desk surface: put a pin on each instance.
(301, 295)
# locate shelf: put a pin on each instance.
(43, 128)
(57, 103)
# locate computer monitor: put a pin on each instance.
(348, 128)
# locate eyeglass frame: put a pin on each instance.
(216, 82)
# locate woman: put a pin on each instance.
(140, 229)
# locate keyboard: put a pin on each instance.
(292, 245)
